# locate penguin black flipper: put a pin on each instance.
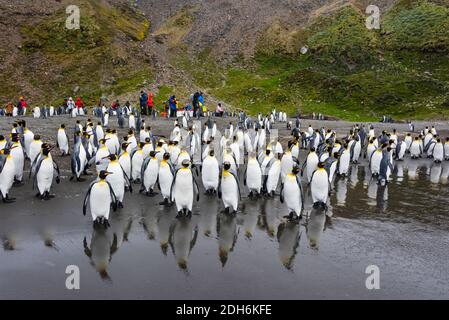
(298, 181)
(86, 198)
(113, 197)
(219, 187)
(244, 175)
(142, 170)
(87, 250)
(193, 241)
(303, 167)
(195, 184)
(173, 184)
(114, 247)
(238, 185)
(33, 166)
(37, 167)
(127, 180)
(282, 193)
(295, 160)
(58, 173)
(2, 163)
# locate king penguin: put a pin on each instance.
(229, 189)
(117, 179)
(100, 196)
(292, 195)
(7, 173)
(183, 189)
(165, 178)
(210, 172)
(43, 170)
(149, 173)
(320, 186)
(63, 141)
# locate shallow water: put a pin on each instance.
(147, 253)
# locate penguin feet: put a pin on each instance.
(120, 205)
(137, 181)
(18, 183)
(79, 179)
(164, 203)
(7, 199)
(38, 195)
(251, 195)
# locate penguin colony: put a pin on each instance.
(246, 158)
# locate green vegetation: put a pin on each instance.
(93, 60)
(349, 72)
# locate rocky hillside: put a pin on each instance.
(244, 53)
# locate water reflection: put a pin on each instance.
(316, 224)
(182, 239)
(227, 232)
(103, 245)
(288, 236)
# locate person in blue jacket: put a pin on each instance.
(173, 106)
(143, 102)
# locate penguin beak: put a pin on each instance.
(108, 173)
(13, 147)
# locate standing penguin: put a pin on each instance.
(17, 155)
(310, 164)
(63, 141)
(210, 172)
(320, 186)
(43, 170)
(374, 161)
(118, 179)
(229, 189)
(438, 152)
(35, 147)
(78, 160)
(101, 157)
(7, 174)
(125, 161)
(446, 149)
(101, 198)
(149, 174)
(253, 175)
(165, 178)
(292, 195)
(183, 189)
(136, 163)
(416, 148)
(385, 168)
(271, 176)
(343, 162)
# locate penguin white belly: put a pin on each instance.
(438, 152)
(74, 113)
(132, 122)
(182, 156)
(356, 154)
(136, 165)
(63, 142)
(402, 149)
(7, 176)
(320, 186)
(183, 190)
(100, 133)
(110, 144)
(408, 142)
(101, 164)
(446, 151)
(273, 176)
(35, 149)
(100, 200)
(286, 166)
(116, 180)
(254, 176)
(165, 179)
(369, 150)
(230, 192)
(83, 160)
(292, 195)
(344, 163)
(375, 162)
(415, 150)
(125, 162)
(45, 176)
(210, 173)
(312, 163)
(19, 159)
(150, 174)
(28, 138)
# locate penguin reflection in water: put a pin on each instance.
(183, 189)
(288, 236)
(182, 239)
(7, 174)
(316, 224)
(43, 171)
(292, 195)
(320, 187)
(227, 232)
(101, 198)
(102, 246)
(229, 189)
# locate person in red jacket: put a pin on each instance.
(150, 104)
(79, 103)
